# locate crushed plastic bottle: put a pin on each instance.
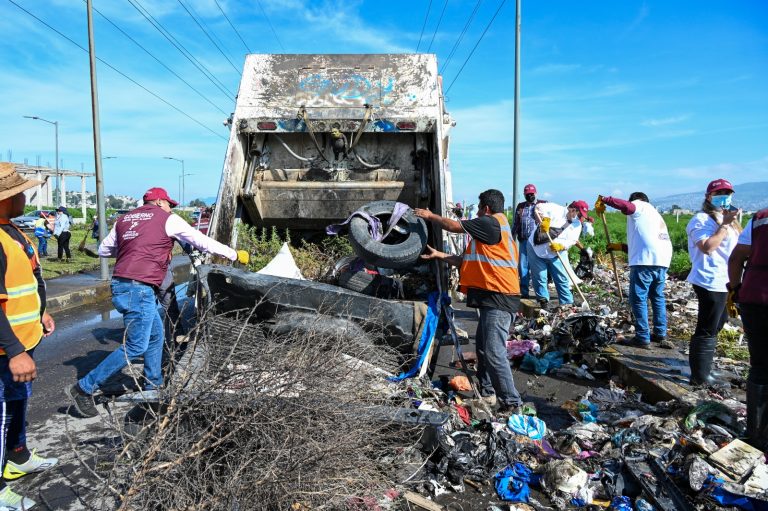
(643, 505)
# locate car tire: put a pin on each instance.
(402, 246)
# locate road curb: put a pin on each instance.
(99, 293)
(652, 384)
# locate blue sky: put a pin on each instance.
(617, 96)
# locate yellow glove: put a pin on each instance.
(730, 304)
(556, 247)
(545, 224)
(599, 205)
(243, 257)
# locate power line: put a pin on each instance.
(209, 37)
(119, 72)
(424, 25)
(270, 24)
(476, 45)
(231, 25)
(159, 61)
(439, 20)
(461, 36)
(183, 50)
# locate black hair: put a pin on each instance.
(638, 196)
(494, 199)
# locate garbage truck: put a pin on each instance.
(315, 137)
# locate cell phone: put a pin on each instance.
(733, 208)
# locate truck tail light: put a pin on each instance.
(406, 125)
(266, 125)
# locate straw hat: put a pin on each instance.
(11, 182)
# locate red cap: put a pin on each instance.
(719, 184)
(159, 193)
(529, 189)
(581, 206)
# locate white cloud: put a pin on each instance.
(665, 121)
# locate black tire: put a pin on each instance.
(400, 249)
(371, 284)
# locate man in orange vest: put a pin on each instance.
(489, 277)
(23, 323)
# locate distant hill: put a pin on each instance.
(749, 197)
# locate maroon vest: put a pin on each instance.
(754, 286)
(143, 247)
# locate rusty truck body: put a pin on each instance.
(315, 137)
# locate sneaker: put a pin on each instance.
(13, 501)
(543, 303)
(637, 342)
(34, 464)
(82, 402)
(505, 410)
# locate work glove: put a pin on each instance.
(733, 298)
(556, 247)
(599, 205)
(243, 257)
(545, 222)
(617, 247)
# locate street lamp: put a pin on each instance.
(183, 173)
(56, 131)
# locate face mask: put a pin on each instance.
(575, 221)
(721, 201)
(530, 197)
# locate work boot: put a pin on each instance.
(701, 358)
(757, 415)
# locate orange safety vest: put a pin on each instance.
(491, 267)
(21, 303)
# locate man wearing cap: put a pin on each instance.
(142, 241)
(523, 225)
(649, 251)
(564, 228)
(23, 324)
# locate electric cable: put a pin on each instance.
(119, 72)
(270, 24)
(200, 26)
(461, 36)
(424, 25)
(439, 20)
(231, 25)
(182, 49)
(475, 47)
(158, 60)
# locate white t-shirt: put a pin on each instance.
(567, 238)
(648, 237)
(745, 238)
(709, 271)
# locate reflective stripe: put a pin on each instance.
(20, 319)
(493, 262)
(24, 290)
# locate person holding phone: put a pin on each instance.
(713, 233)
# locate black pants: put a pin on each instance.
(64, 244)
(712, 313)
(755, 319)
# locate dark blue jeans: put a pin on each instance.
(525, 273)
(647, 282)
(42, 245)
(493, 368)
(137, 302)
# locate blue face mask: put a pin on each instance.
(721, 201)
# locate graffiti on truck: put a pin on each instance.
(319, 89)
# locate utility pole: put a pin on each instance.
(515, 168)
(101, 211)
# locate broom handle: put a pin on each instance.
(613, 257)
